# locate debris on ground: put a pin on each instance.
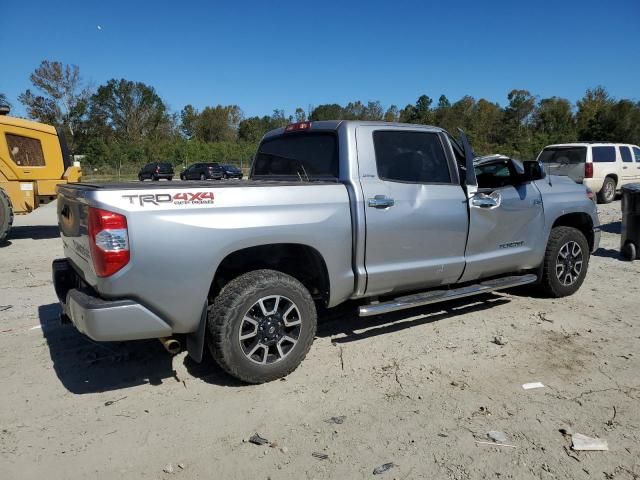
(337, 420)
(168, 468)
(111, 402)
(284, 449)
(582, 442)
(320, 456)
(545, 317)
(495, 444)
(497, 436)
(383, 468)
(500, 340)
(5, 307)
(256, 439)
(532, 385)
(181, 466)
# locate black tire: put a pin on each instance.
(559, 238)
(140, 178)
(155, 178)
(629, 251)
(6, 216)
(227, 316)
(608, 191)
(170, 178)
(182, 177)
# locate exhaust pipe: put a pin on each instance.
(171, 345)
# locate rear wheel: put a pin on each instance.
(608, 191)
(155, 178)
(170, 178)
(566, 262)
(140, 177)
(6, 216)
(261, 326)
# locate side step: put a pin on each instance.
(436, 296)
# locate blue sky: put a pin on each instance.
(266, 55)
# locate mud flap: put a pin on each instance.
(195, 340)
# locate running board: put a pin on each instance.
(436, 296)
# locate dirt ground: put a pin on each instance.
(417, 389)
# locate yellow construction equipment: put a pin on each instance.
(34, 159)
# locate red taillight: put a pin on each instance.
(588, 170)
(109, 241)
(292, 127)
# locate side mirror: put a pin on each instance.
(533, 170)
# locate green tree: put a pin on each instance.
(392, 114)
(128, 110)
(60, 98)
(592, 111)
(4, 102)
(554, 122)
(218, 124)
(300, 115)
(331, 111)
(188, 119)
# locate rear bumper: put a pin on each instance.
(99, 319)
(594, 184)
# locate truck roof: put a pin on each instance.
(335, 124)
(19, 122)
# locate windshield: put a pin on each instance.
(563, 155)
(305, 156)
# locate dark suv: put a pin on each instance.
(155, 171)
(231, 171)
(202, 171)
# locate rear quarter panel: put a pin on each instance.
(176, 247)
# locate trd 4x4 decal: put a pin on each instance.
(182, 198)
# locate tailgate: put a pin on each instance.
(73, 213)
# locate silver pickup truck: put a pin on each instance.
(395, 216)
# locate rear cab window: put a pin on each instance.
(636, 153)
(298, 155)
(603, 154)
(625, 153)
(411, 157)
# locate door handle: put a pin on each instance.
(625, 167)
(380, 201)
(486, 201)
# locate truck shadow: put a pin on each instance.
(345, 324)
(39, 232)
(612, 227)
(85, 366)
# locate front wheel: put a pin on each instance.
(140, 178)
(629, 251)
(261, 326)
(565, 262)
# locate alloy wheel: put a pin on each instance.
(270, 329)
(569, 263)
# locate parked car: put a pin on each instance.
(603, 167)
(156, 171)
(401, 221)
(230, 171)
(202, 171)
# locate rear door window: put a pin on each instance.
(625, 153)
(306, 156)
(603, 154)
(413, 157)
(636, 153)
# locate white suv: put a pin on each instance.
(603, 167)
